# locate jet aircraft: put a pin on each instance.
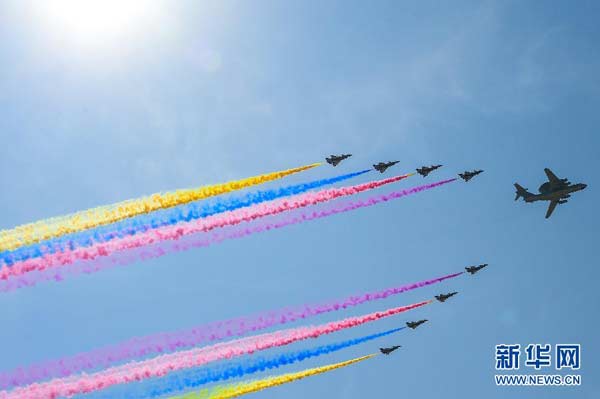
(444, 297)
(466, 176)
(425, 170)
(415, 324)
(336, 159)
(382, 166)
(387, 351)
(475, 269)
(554, 190)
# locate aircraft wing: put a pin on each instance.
(553, 204)
(551, 176)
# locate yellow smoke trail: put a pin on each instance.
(235, 390)
(54, 227)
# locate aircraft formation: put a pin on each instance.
(381, 167)
(27, 252)
(556, 190)
(441, 298)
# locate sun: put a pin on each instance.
(98, 21)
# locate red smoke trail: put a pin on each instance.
(166, 247)
(174, 232)
(172, 341)
(262, 226)
(162, 365)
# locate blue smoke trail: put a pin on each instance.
(184, 213)
(189, 379)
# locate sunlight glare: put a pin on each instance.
(100, 20)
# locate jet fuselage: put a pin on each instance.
(387, 351)
(547, 194)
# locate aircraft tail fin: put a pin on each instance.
(521, 192)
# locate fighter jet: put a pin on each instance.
(443, 297)
(387, 351)
(382, 166)
(425, 170)
(336, 159)
(415, 324)
(554, 190)
(466, 176)
(475, 269)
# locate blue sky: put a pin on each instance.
(211, 91)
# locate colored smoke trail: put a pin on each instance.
(235, 390)
(170, 246)
(172, 216)
(8, 284)
(262, 226)
(54, 227)
(195, 378)
(172, 341)
(164, 364)
(198, 226)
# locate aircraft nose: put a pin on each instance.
(583, 186)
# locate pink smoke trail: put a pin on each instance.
(168, 342)
(174, 232)
(126, 257)
(162, 365)
(262, 226)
